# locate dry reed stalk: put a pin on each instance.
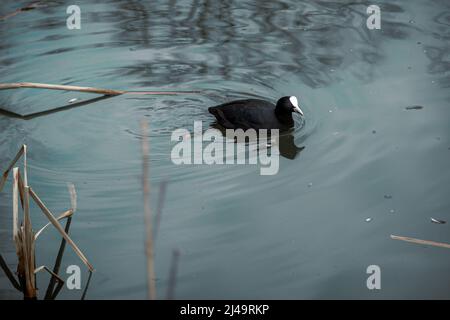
(147, 213)
(108, 92)
(63, 215)
(13, 162)
(58, 227)
(39, 269)
(423, 242)
(51, 292)
(24, 237)
(18, 85)
(27, 244)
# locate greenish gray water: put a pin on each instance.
(299, 234)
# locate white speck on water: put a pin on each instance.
(368, 219)
(73, 100)
(310, 185)
(392, 211)
(330, 111)
(438, 221)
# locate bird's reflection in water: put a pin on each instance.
(287, 147)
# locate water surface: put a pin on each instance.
(299, 234)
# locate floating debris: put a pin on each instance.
(437, 221)
(392, 211)
(310, 185)
(73, 100)
(368, 219)
(423, 242)
(387, 196)
(374, 131)
(414, 108)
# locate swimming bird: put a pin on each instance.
(257, 114)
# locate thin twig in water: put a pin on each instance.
(109, 92)
(28, 7)
(147, 213)
(424, 242)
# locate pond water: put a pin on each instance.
(371, 167)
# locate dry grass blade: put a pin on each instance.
(147, 213)
(28, 249)
(49, 271)
(54, 278)
(13, 162)
(58, 227)
(423, 242)
(73, 197)
(15, 205)
(63, 215)
(68, 213)
(25, 174)
(51, 291)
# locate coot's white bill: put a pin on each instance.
(294, 102)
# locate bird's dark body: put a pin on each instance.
(251, 113)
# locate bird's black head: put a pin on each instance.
(288, 104)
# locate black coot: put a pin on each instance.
(257, 114)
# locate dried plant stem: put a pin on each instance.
(13, 162)
(58, 227)
(28, 250)
(51, 292)
(424, 242)
(25, 239)
(108, 92)
(63, 215)
(147, 213)
(18, 85)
